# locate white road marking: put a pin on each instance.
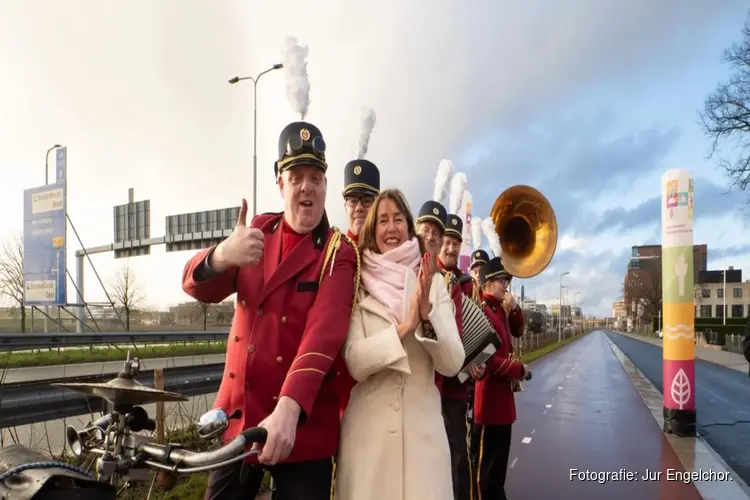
(513, 462)
(559, 387)
(526, 440)
(548, 406)
(544, 412)
(566, 376)
(533, 431)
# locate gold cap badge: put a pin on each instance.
(357, 170)
(436, 211)
(304, 134)
(454, 222)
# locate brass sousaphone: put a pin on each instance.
(526, 225)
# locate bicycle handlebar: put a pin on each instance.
(195, 462)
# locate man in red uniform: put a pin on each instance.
(295, 280)
(494, 405)
(478, 259)
(455, 394)
(361, 186)
(431, 222)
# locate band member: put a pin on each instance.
(494, 405)
(295, 280)
(455, 394)
(431, 222)
(361, 186)
(478, 259)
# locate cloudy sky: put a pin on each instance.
(588, 101)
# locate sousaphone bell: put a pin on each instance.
(527, 227)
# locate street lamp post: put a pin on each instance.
(255, 127)
(575, 303)
(559, 318)
(46, 181)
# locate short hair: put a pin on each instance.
(367, 239)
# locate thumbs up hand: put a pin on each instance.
(244, 247)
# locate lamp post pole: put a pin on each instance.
(255, 81)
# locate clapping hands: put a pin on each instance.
(419, 304)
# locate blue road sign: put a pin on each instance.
(61, 164)
(44, 242)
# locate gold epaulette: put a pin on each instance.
(334, 243)
(448, 277)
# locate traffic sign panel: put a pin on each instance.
(44, 242)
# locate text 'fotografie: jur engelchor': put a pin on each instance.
(649, 475)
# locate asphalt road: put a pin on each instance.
(722, 401)
(581, 412)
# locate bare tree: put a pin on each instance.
(644, 288)
(726, 112)
(11, 274)
(126, 293)
(202, 310)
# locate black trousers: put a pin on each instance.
(492, 451)
(294, 481)
(456, 426)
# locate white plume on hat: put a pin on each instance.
(492, 238)
(476, 232)
(443, 176)
(367, 125)
(294, 57)
(458, 188)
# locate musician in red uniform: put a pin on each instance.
(478, 259)
(455, 394)
(431, 222)
(295, 280)
(494, 405)
(361, 186)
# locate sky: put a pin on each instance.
(590, 102)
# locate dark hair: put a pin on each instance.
(367, 239)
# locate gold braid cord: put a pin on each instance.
(334, 244)
(476, 296)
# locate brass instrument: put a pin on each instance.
(527, 227)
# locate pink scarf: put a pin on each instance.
(384, 275)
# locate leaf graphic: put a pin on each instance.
(680, 388)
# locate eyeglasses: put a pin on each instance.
(353, 201)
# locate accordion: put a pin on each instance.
(480, 339)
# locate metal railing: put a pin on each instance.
(36, 401)
(28, 341)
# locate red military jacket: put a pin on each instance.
(494, 403)
(344, 381)
(289, 326)
(451, 387)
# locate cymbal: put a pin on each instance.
(123, 391)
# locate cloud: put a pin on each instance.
(710, 200)
(151, 108)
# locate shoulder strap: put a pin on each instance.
(333, 246)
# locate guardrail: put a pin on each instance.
(36, 401)
(26, 341)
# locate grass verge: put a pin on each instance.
(538, 353)
(97, 355)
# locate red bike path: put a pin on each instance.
(580, 418)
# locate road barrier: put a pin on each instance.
(37, 401)
(27, 341)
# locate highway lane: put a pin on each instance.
(77, 370)
(581, 411)
(722, 396)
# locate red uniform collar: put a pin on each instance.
(352, 236)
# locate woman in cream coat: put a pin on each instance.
(393, 440)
